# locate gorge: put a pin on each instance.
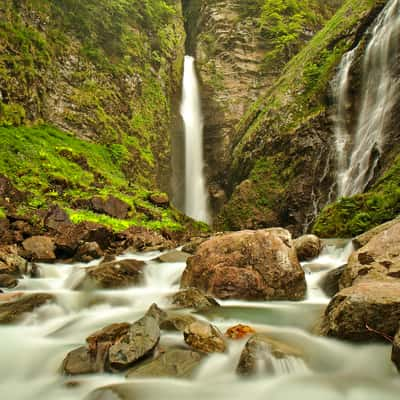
(199, 198)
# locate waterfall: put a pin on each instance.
(358, 153)
(196, 198)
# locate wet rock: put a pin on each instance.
(396, 351)
(308, 247)
(259, 352)
(174, 256)
(13, 308)
(174, 363)
(363, 239)
(68, 241)
(108, 335)
(193, 245)
(40, 248)
(252, 265)
(329, 283)
(204, 337)
(88, 252)
(11, 263)
(193, 298)
(239, 331)
(8, 281)
(379, 259)
(368, 310)
(112, 275)
(139, 342)
(176, 322)
(79, 362)
(159, 199)
(111, 206)
(56, 219)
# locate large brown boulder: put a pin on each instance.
(11, 309)
(308, 247)
(396, 351)
(111, 206)
(368, 310)
(259, 352)
(379, 259)
(364, 238)
(112, 275)
(204, 337)
(253, 265)
(39, 248)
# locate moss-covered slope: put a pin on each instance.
(286, 137)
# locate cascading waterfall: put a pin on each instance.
(358, 154)
(196, 199)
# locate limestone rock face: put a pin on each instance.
(379, 259)
(250, 265)
(368, 310)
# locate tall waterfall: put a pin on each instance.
(196, 199)
(359, 152)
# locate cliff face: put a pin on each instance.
(240, 47)
(283, 166)
(105, 70)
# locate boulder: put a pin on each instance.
(88, 252)
(111, 206)
(204, 337)
(8, 281)
(140, 341)
(176, 322)
(112, 275)
(40, 248)
(329, 283)
(193, 245)
(11, 309)
(159, 199)
(396, 351)
(174, 256)
(368, 310)
(11, 263)
(308, 247)
(79, 362)
(251, 265)
(379, 259)
(56, 219)
(259, 353)
(174, 363)
(364, 238)
(193, 298)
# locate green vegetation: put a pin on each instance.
(55, 167)
(2, 213)
(351, 216)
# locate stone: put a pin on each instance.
(192, 246)
(193, 298)
(329, 282)
(8, 281)
(140, 341)
(40, 248)
(379, 259)
(249, 265)
(204, 337)
(176, 322)
(79, 362)
(11, 309)
(364, 238)
(308, 247)
(368, 310)
(396, 351)
(89, 251)
(112, 275)
(239, 331)
(11, 263)
(111, 206)
(110, 335)
(174, 363)
(259, 352)
(174, 256)
(159, 199)
(56, 219)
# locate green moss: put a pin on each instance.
(352, 216)
(2, 213)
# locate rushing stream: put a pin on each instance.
(32, 350)
(359, 151)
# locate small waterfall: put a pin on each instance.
(358, 154)
(196, 199)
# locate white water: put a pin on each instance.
(196, 198)
(358, 153)
(33, 349)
